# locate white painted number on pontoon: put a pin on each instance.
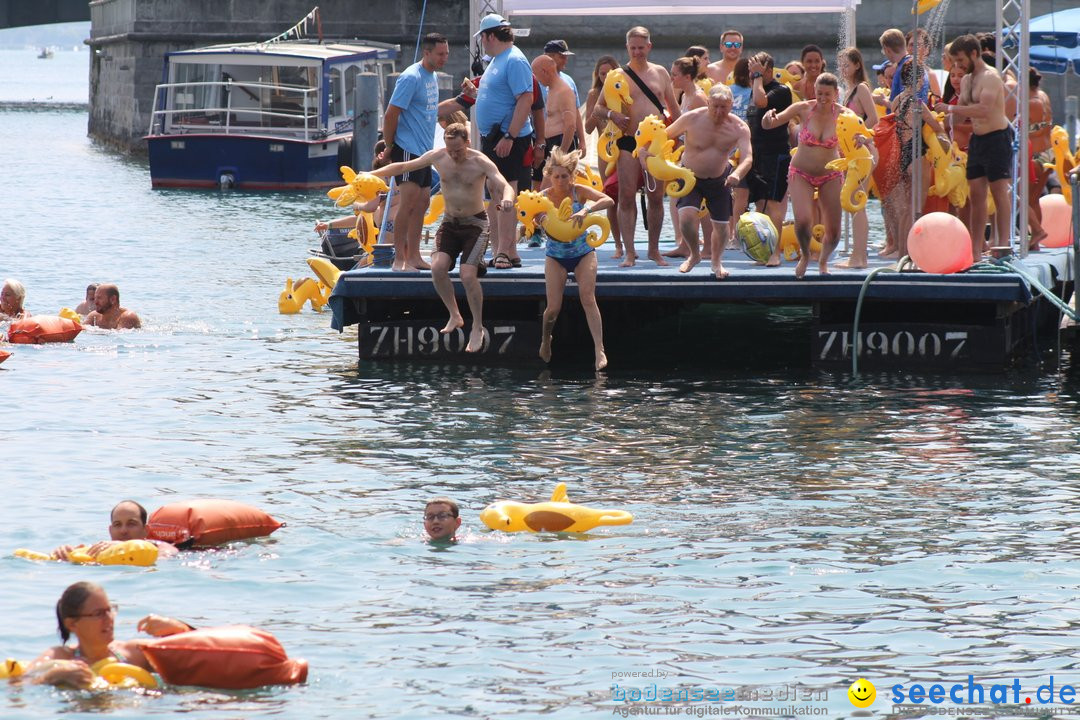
(897, 343)
(427, 340)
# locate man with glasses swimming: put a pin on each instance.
(722, 71)
(441, 519)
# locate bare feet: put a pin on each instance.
(800, 269)
(719, 271)
(454, 323)
(774, 260)
(618, 252)
(476, 340)
(658, 259)
(418, 264)
(889, 253)
(681, 250)
(689, 264)
(823, 267)
(631, 258)
(601, 359)
(398, 266)
(1036, 238)
(852, 264)
(545, 348)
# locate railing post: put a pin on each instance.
(365, 120)
(1075, 181)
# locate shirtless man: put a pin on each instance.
(658, 80)
(464, 229)
(731, 43)
(990, 154)
(711, 135)
(108, 314)
(563, 126)
(127, 521)
(87, 305)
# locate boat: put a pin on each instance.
(45, 54)
(273, 115)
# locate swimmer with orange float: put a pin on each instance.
(127, 521)
(84, 611)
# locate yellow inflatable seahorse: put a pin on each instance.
(1064, 161)
(293, 297)
(947, 174)
(616, 97)
(361, 188)
(556, 222)
(705, 83)
(652, 135)
(958, 196)
(856, 162)
(587, 177)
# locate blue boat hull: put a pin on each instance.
(253, 162)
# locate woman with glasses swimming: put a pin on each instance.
(84, 611)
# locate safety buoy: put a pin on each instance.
(233, 657)
(208, 522)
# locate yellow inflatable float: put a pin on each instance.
(556, 515)
(1064, 161)
(556, 222)
(11, 668)
(293, 297)
(855, 162)
(436, 206)
(112, 674)
(925, 6)
(789, 242)
(361, 188)
(587, 177)
(142, 553)
(327, 272)
(949, 175)
(652, 136)
(616, 97)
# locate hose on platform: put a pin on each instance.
(899, 267)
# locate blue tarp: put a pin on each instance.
(1061, 28)
(1054, 59)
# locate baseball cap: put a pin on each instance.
(490, 22)
(882, 65)
(557, 46)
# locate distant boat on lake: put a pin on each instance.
(45, 54)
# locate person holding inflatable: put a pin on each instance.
(127, 521)
(84, 611)
(818, 146)
(12, 296)
(108, 314)
(577, 256)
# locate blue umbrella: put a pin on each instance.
(1055, 60)
(1061, 28)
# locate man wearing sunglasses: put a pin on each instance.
(731, 44)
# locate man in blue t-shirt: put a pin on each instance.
(503, 116)
(409, 132)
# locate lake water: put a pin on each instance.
(793, 528)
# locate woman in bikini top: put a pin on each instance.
(859, 100)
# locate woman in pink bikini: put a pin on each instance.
(807, 173)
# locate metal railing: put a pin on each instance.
(215, 119)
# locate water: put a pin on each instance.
(61, 78)
(792, 527)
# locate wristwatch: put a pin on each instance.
(755, 75)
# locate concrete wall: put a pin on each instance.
(130, 38)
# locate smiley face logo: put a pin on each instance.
(862, 693)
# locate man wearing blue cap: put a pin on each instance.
(503, 109)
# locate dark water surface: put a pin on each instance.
(792, 527)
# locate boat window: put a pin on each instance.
(334, 98)
(191, 96)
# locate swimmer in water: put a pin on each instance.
(127, 521)
(441, 519)
(108, 314)
(84, 611)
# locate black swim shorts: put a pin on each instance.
(991, 155)
(509, 166)
(420, 177)
(714, 192)
(768, 177)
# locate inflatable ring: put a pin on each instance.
(11, 668)
(141, 553)
(556, 515)
(119, 674)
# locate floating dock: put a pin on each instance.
(982, 319)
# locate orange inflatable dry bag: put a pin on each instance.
(43, 329)
(208, 522)
(234, 657)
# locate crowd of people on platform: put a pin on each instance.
(754, 136)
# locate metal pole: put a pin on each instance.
(365, 120)
(1071, 109)
(917, 199)
(1075, 236)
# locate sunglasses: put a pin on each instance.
(732, 44)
